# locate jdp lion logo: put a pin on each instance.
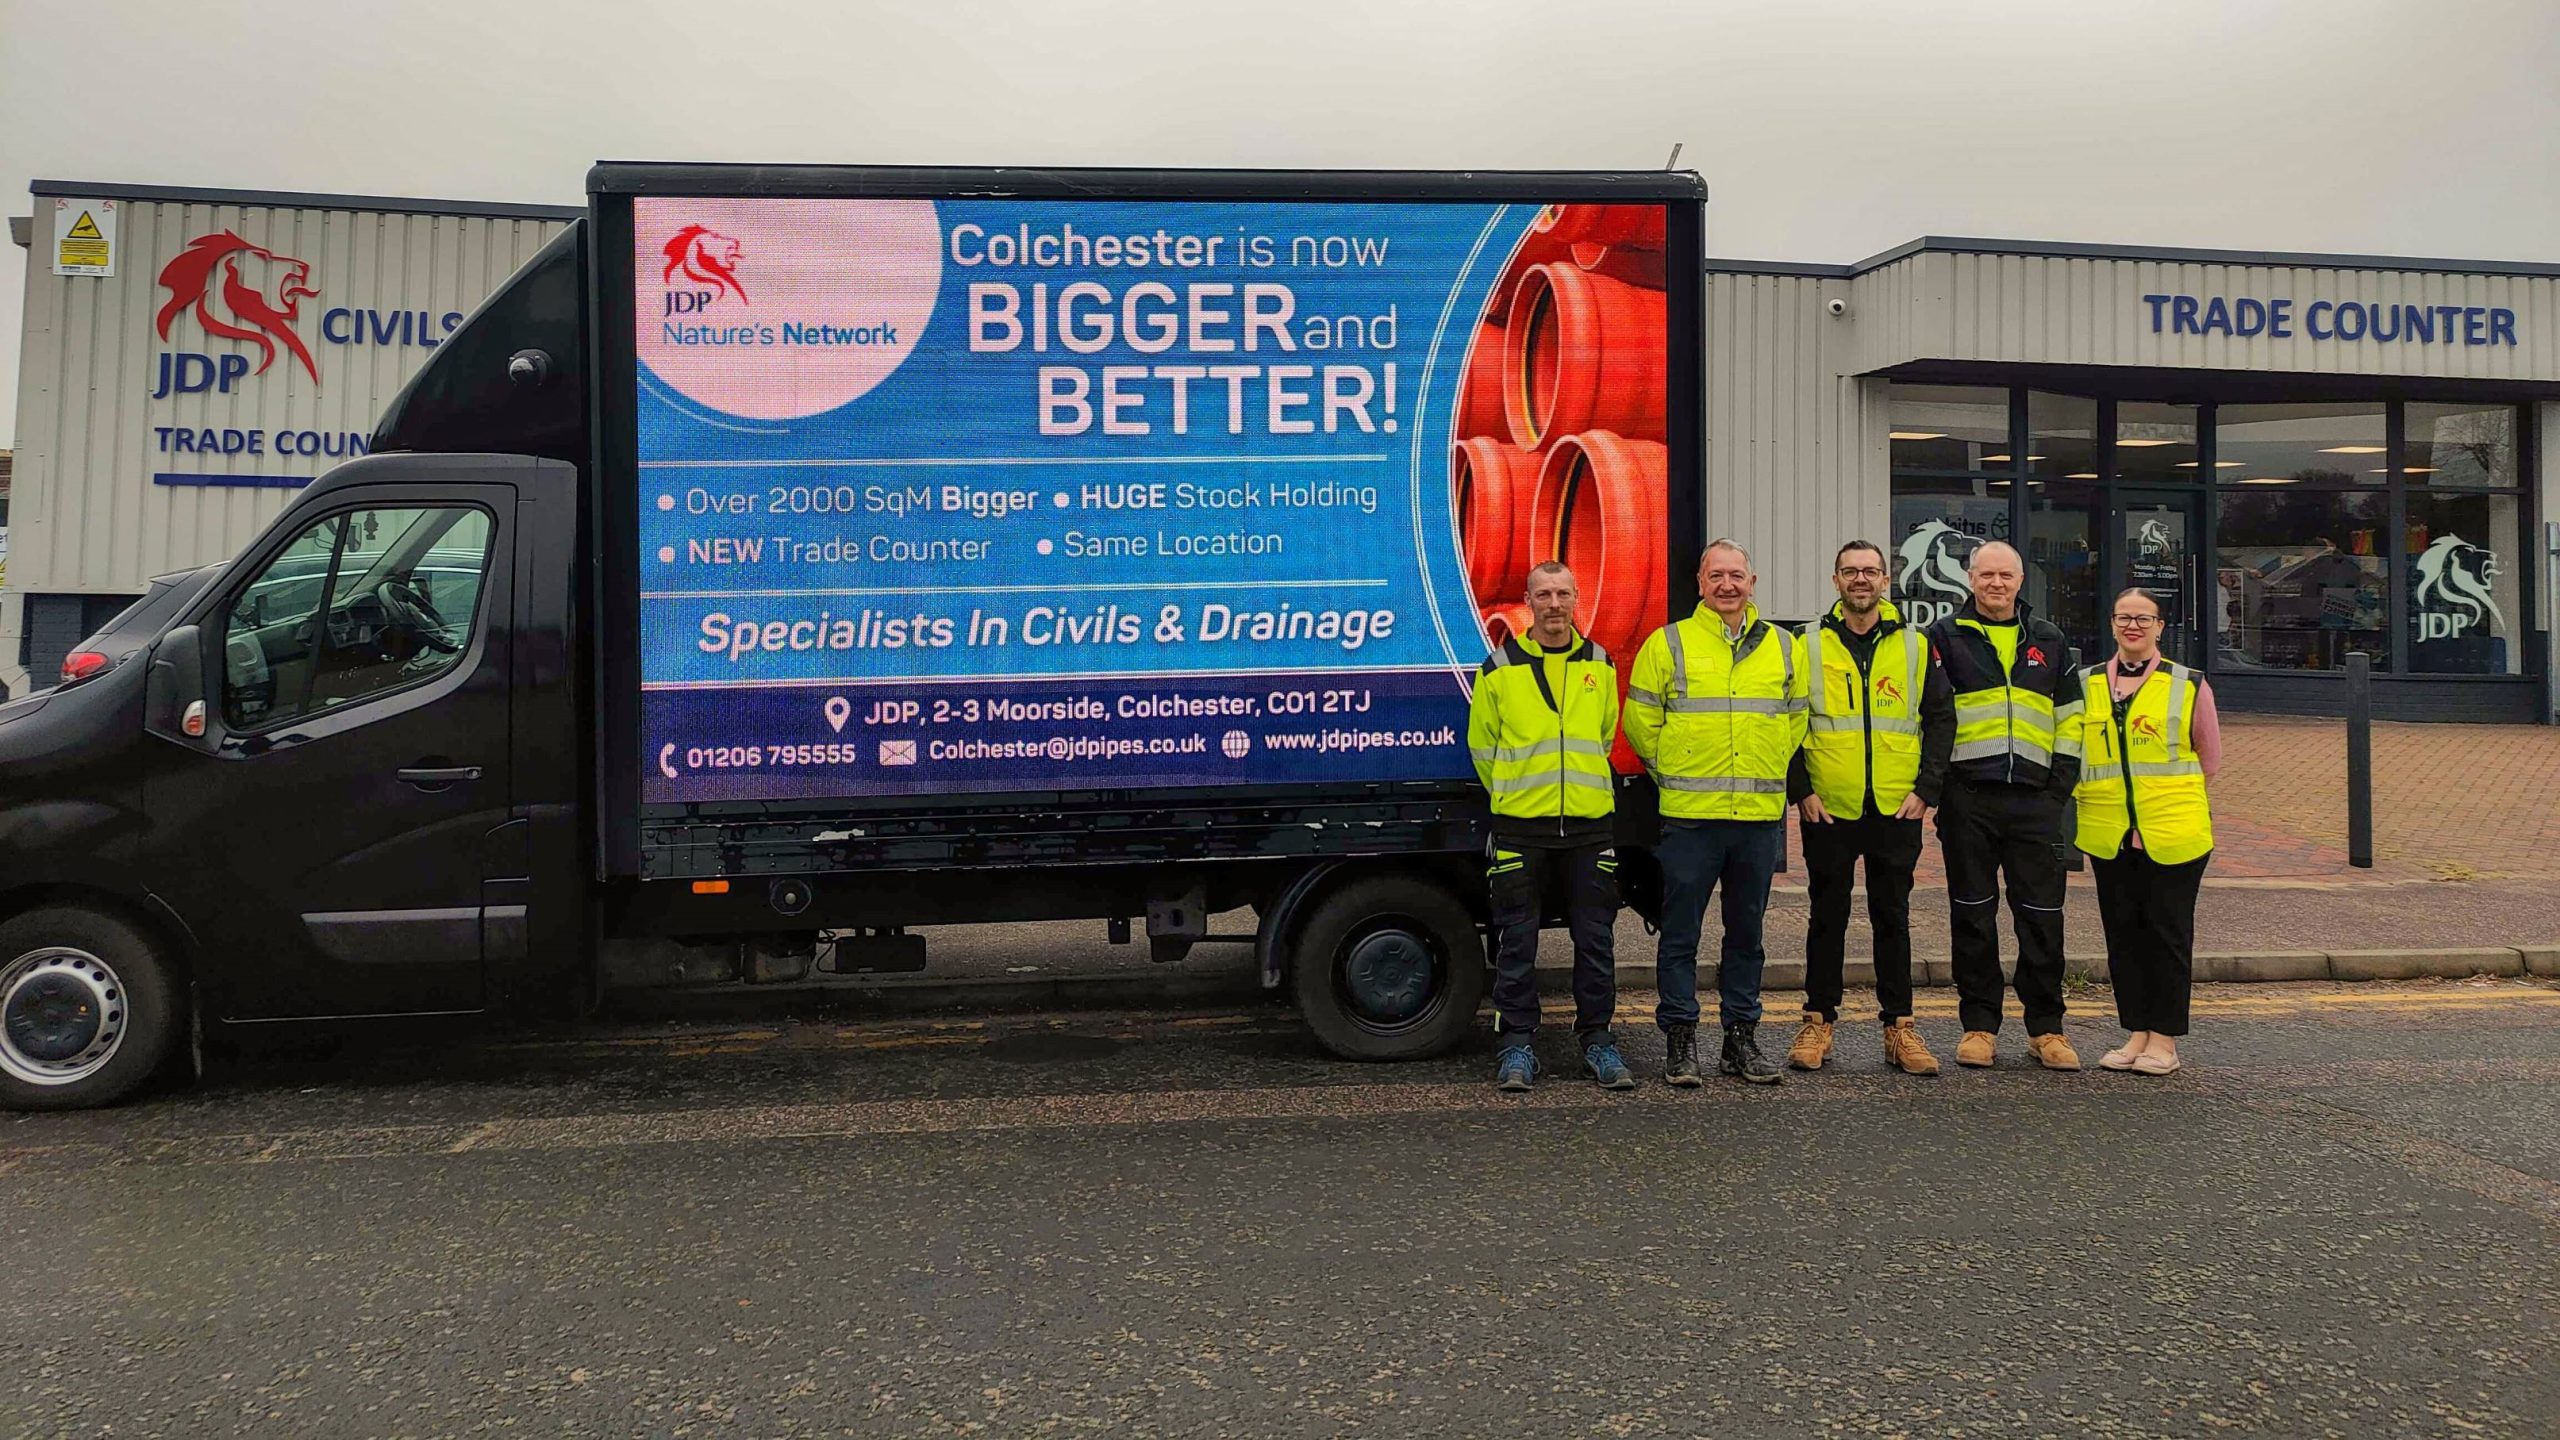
(2453, 589)
(2144, 726)
(2152, 539)
(258, 298)
(1890, 689)
(707, 258)
(1932, 559)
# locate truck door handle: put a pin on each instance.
(435, 778)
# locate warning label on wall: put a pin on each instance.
(84, 237)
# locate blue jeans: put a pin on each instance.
(1696, 855)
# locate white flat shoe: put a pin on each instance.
(2116, 1060)
(2150, 1064)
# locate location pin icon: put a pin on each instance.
(837, 712)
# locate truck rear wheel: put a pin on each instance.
(1389, 969)
(88, 1009)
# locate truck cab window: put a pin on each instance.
(358, 605)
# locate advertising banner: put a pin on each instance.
(951, 496)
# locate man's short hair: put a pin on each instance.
(1843, 552)
(1721, 543)
(1986, 547)
(1550, 567)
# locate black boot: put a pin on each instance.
(1742, 1056)
(1681, 1044)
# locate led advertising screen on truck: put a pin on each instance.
(984, 495)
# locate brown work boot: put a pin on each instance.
(2053, 1052)
(1977, 1048)
(1905, 1051)
(1813, 1042)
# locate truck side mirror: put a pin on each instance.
(175, 705)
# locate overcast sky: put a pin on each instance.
(1827, 131)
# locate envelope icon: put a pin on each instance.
(897, 752)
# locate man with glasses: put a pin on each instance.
(1875, 756)
(2015, 761)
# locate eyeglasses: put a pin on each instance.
(2136, 622)
(1860, 572)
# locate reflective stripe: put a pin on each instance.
(1638, 695)
(1679, 662)
(1722, 784)
(2101, 772)
(1515, 784)
(1916, 648)
(2177, 727)
(1813, 663)
(2018, 745)
(1484, 754)
(1729, 703)
(1537, 750)
(1890, 726)
(1981, 705)
(1822, 724)
(2167, 767)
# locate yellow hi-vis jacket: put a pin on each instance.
(1717, 723)
(2154, 748)
(1863, 732)
(1543, 755)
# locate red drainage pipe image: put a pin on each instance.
(1496, 484)
(1582, 352)
(1480, 395)
(1600, 511)
(1639, 226)
(1501, 622)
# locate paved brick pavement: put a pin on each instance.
(2450, 802)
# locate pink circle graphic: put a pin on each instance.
(775, 309)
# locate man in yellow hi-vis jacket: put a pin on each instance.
(1544, 717)
(1716, 709)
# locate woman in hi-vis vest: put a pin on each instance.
(2149, 742)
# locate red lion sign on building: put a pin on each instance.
(258, 298)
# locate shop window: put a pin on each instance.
(1936, 524)
(2302, 576)
(2467, 446)
(2466, 596)
(2063, 574)
(1949, 427)
(2156, 444)
(2062, 437)
(2330, 446)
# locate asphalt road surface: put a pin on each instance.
(2342, 1219)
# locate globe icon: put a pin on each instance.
(1237, 744)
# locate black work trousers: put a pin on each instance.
(2149, 910)
(1891, 850)
(1988, 833)
(1521, 879)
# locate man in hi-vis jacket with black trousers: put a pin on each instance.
(1543, 721)
(2016, 759)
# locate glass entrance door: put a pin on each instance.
(2161, 533)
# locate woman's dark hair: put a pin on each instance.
(2156, 607)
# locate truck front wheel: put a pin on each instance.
(1389, 969)
(88, 1009)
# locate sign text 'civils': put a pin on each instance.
(2247, 316)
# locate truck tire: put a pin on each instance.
(88, 1009)
(1388, 969)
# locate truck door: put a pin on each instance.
(328, 835)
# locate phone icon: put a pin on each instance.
(666, 762)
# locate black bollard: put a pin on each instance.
(2359, 760)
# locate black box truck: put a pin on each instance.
(789, 558)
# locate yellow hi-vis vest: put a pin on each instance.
(1864, 731)
(1545, 756)
(2000, 720)
(1717, 723)
(2156, 751)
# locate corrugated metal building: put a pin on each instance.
(2302, 455)
(245, 343)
